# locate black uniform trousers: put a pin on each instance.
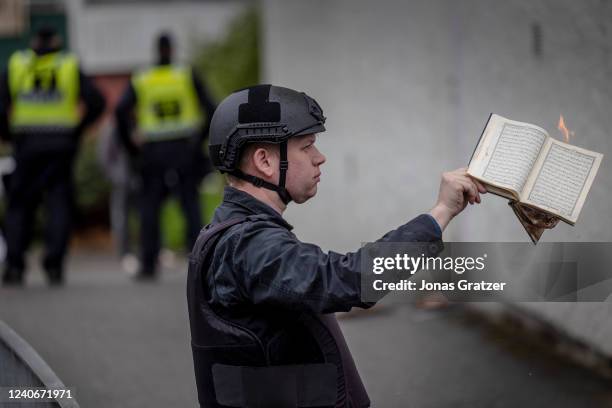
(38, 176)
(167, 167)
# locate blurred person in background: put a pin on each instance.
(115, 162)
(171, 109)
(41, 116)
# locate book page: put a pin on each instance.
(564, 179)
(507, 153)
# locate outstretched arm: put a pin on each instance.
(93, 100)
(123, 116)
(268, 265)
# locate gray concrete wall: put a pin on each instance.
(407, 87)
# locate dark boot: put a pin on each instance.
(146, 275)
(55, 276)
(12, 276)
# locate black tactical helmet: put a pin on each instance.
(262, 113)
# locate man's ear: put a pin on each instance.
(264, 160)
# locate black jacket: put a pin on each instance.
(264, 280)
(264, 263)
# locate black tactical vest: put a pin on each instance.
(306, 363)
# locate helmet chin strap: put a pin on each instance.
(259, 182)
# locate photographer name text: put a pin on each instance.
(410, 265)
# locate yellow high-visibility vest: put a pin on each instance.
(167, 106)
(44, 90)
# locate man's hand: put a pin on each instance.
(457, 189)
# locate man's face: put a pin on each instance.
(304, 173)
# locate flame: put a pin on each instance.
(566, 132)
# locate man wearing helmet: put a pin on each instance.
(301, 182)
(260, 301)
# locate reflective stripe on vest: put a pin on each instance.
(167, 106)
(44, 90)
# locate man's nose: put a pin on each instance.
(320, 158)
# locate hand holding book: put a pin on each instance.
(545, 179)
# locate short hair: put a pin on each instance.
(245, 153)
(45, 33)
(45, 36)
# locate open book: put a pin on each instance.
(523, 163)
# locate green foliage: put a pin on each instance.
(92, 187)
(173, 225)
(232, 62)
(173, 222)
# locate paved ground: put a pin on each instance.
(123, 344)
